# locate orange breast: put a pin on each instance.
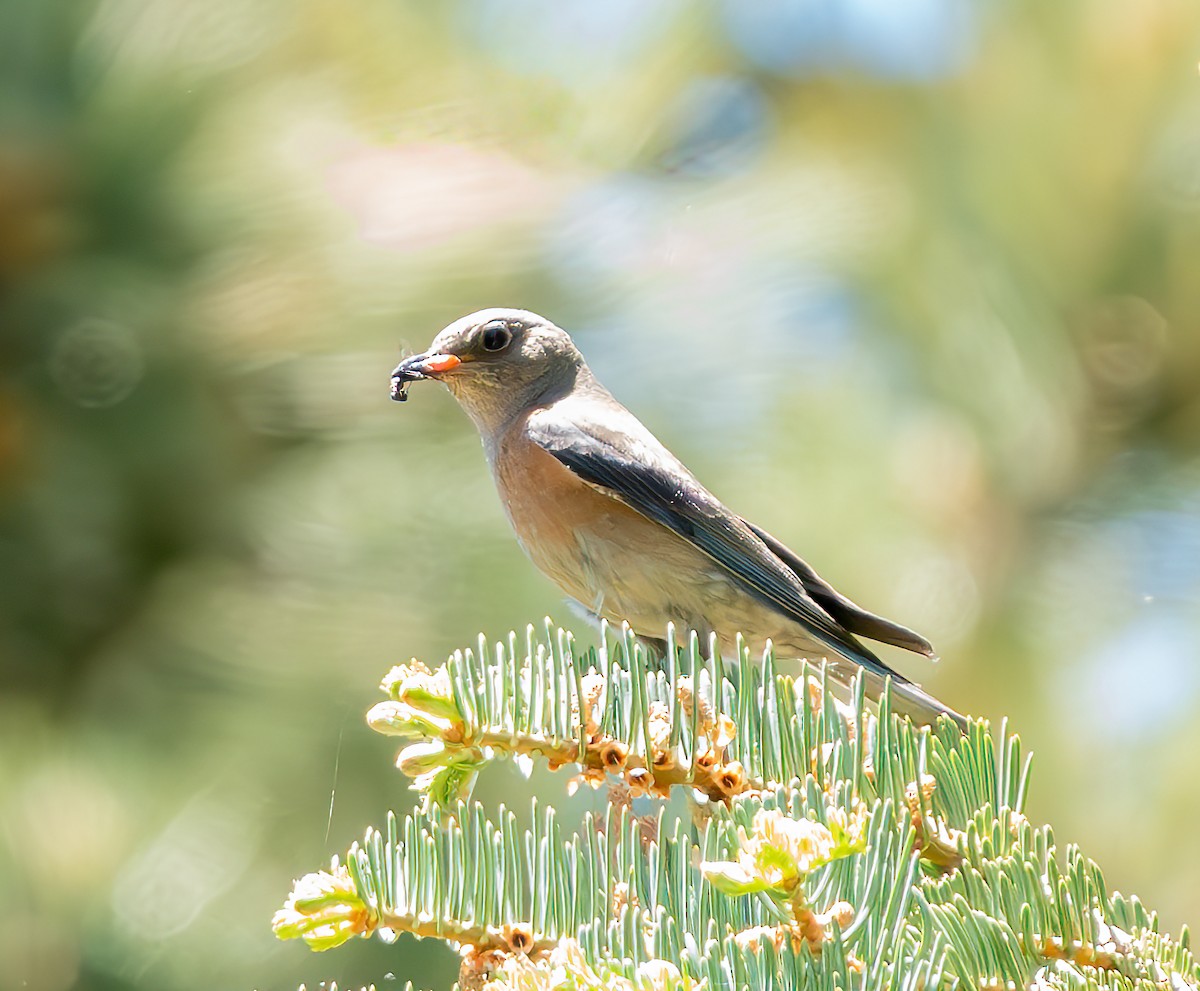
(550, 507)
(584, 540)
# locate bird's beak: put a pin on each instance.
(420, 366)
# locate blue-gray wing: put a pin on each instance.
(849, 614)
(649, 480)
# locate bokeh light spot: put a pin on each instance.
(97, 363)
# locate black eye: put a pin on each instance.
(496, 337)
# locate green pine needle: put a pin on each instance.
(828, 846)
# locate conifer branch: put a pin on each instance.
(839, 847)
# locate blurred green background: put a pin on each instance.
(915, 284)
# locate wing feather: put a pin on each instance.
(660, 488)
(851, 615)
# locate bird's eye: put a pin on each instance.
(496, 337)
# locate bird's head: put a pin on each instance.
(495, 362)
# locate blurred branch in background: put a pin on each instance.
(925, 274)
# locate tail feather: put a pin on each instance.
(908, 699)
(849, 614)
(913, 701)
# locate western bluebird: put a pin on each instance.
(620, 524)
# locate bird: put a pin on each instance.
(620, 524)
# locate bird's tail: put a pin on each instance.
(908, 699)
(916, 703)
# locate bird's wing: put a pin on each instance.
(849, 614)
(647, 478)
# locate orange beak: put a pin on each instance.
(435, 364)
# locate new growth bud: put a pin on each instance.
(324, 910)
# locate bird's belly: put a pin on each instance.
(663, 578)
(649, 577)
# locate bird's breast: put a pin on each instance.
(599, 551)
(552, 509)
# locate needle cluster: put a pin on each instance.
(823, 843)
